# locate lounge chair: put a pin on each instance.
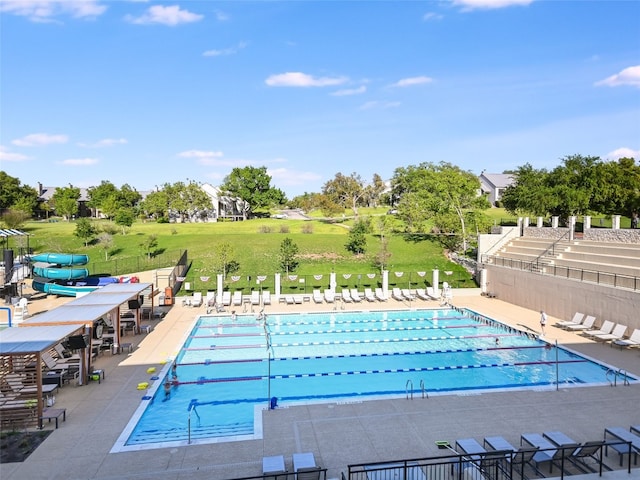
(421, 293)
(15, 382)
(355, 295)
(577, 319)
(255, 297)
(606, 328)
(617, 334)
(396, 294)
(368, 295)
(196, 301)
(346, 296)
(289, 299)
(226, 298)
(481, 459)
(548, 450)
(329, 296)
(406, 293)
(632, 341)
(266, 297)
(380, 295)
(210, 299)
(432, 293)
(317, 296)
(622, 435)
(519, 458)
(53, 365)
(304, 466)
(237, 298)
(274, 467)
(587, 457)
(66, 355)
(587, 324)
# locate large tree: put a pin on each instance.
(107, 198)
(188, 201)
(349, 191)
(441, 192)
(253, 185)
(156, 205)
(17, 196)
(65, 201)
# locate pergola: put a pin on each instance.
(21, 375)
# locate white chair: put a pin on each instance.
(368, 295)
(396, 294)
(329, 296)
(196, 301)
(346, 296)
(255, 297)
(266, 297)
(355, 295)
(226, 298)
(380, 295)
(237, 297)
(317, 296)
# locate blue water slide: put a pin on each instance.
(61, 273)
(65, 259)
(52, 288)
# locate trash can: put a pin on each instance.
(115, 348)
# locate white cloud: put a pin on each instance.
(225, 51)
(623, 152)
(489, 4)
(79, 162)
(288, 178)
(628, 76)
(432, 16)
(106, 142)
(39, 139)
(299, 79)
(350, 91)
(379, 105)
(46, 10)
(221, 16)
(171, 15)
(412, 81)
(199, 154)
(6, 156)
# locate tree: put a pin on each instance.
(100, 195)
(187, 201)
(124, 218)
(529, 194)
(106, 243)
(65, 201)
(149, 245)
(347, 192)
(156, 205)
(14, 219)
(328, 207)
(253, 185)
(357, 242)
(85, 230)
(16, 196)
(288, 255)
(223, 259)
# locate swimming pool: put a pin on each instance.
(230, 370)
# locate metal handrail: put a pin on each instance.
(551, 248)
(409, 383)
(192, 408)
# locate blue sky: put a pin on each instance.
(146, 92)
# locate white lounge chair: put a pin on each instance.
(255, 297)
(577, 319)
(304, 466)
(266, 297)
(396, 294)
(329, 296)
(237, 298)
(317, 296)
(406, 293)
(346, 296)
(196, 301)
(422, 294)
(210, 299)
(632, 341)
(617, 334)
(226, 298)
(588, 323)
(380, 295)
(355, 295)
(274, 467)
(432, 293)
(368, 295)
(289, 299)
(606, 328)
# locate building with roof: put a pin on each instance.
(494, 184)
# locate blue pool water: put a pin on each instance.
(226, 368)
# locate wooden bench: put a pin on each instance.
(52, 413)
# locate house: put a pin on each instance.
(225, 207)
(46, 193)
(493, 185)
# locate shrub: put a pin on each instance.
(307, 228)
(264, 229)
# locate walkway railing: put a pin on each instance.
(590, 276)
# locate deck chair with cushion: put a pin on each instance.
(380, 295)
(255, 297)
(16, 383)
(237, 298)
(346, 296)
(329, 296)
(632, 341)
(226, 298)
(421, 293)
(317, 296)
(577, 319)
(549, 451)
(587, 324)
(606, 328)
(587, 457)
(622, 435)
(519, 458)
(432, 293)
(210, 298)
(304, 466)
(196, 301)
(289, 299)
(273, 468)
(368, 295)
(266, 297)
(396, 294)
(617, 334)
(406, 293)
(355, 295)
(53, 365)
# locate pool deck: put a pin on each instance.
(337, 433)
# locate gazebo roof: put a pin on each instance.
(16, 341)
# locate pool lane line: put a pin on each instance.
(203, 380)
(392, 329)
(384, 340)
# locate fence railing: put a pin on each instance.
(127, 265)
(591, 276)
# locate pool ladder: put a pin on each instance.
(616, 374)
(192, 409)
(409, 389)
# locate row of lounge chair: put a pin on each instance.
(304, 467)
(553, 448)
(607, 332)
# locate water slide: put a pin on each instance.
(52, 278)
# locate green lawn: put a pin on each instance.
(256, 245)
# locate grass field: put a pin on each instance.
(256, 246)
